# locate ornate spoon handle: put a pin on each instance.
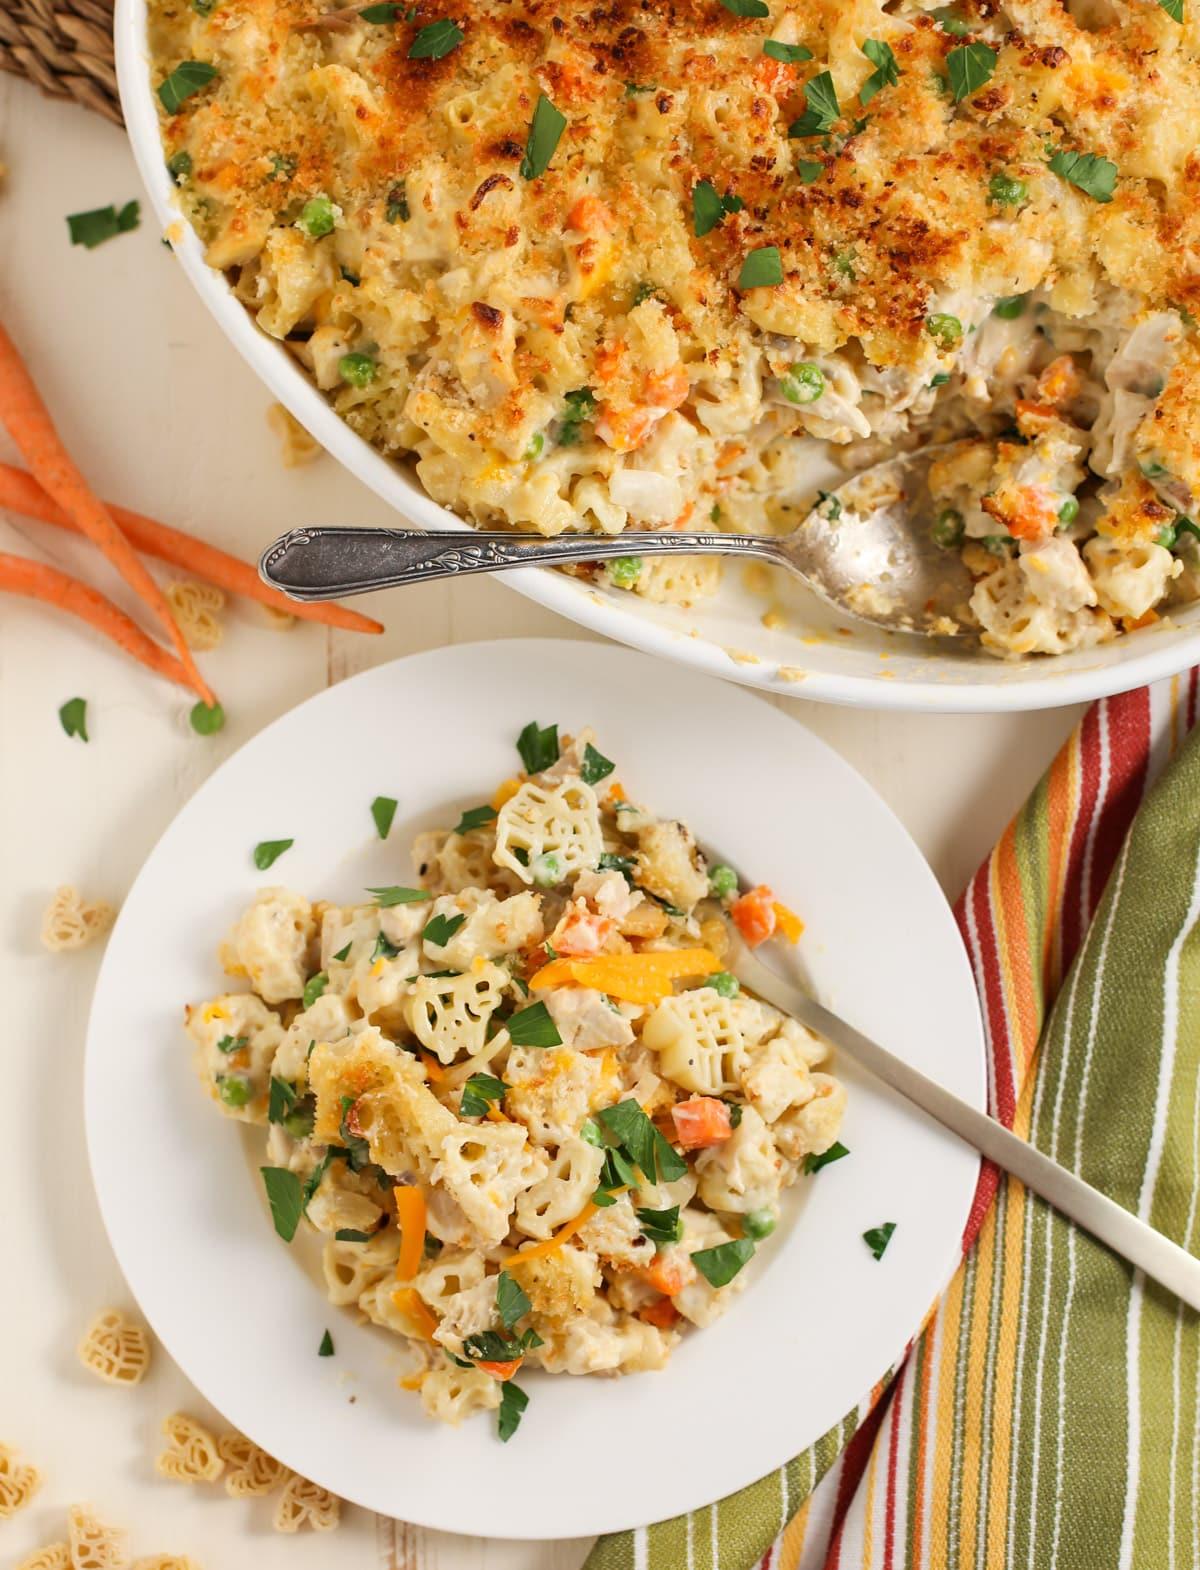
(325, 564)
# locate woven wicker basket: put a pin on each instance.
(65, 47)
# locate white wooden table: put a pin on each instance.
(165, 418)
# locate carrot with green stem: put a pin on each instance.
(36, 581)
(20, 492)
(30, 425)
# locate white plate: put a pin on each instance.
(816, 655)
(242, 1313)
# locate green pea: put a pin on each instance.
(357, 369)
(234, 1090)
(1068, 512)
(804, 383)
(997, 544)
(725, 983)
(759, 1223)
(317, 217)
(1010, 308)
(948, 528)
(624, 571)
(945, 330)
(534, 450)
(299, 1124)
(546, 870)
(722, 880)
(179, 167)
(1007, 191)
(1166, 537)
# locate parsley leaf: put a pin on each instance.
(545, 129)
(282, 1099)
(388, 12)
(232, 1043)
(313, 988)
(440, 929)
(489, 1346)
(885, 74)
(395, 894)
(285, 1198)
(326, 1347)
(762, 268)
(790, 54)
(595, 766)
(970, 66)
(877, 1239)
(661, 1226)
(92, 228)
(642, 1142)
(268, 852)
(474, 818)
(1093, 175)
(73, 718)
(611, 862)
(809, 170)
(317, 1174)
(581, 406)
(478, 1092)
(533, 1027)
(352, 1235)
(538, 747)
(187, 78)
(708, 209)
(1173, 8)
(358, 1151)
(746, 7)
(436, 40)
(823, 110)
(616, 1174)
(384, 948)
(836, 1151)
(511, 1301)
(513, 1402)
(719, 1265)
(383, 810)
(344, 954)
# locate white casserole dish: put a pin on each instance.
(813, 655)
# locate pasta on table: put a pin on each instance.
(530, 1111)
(595, 268)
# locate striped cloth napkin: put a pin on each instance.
(1048, 1412)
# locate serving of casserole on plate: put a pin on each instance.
(630, 266)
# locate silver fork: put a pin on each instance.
(1161, 1259)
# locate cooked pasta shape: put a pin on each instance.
(561, 821)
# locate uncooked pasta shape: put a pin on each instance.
(251, 1470)
(71, 922)
(306, 1504)
(115, 1349)
(18, 1482)
(197, 609)
(95, 1546)
(191, 1455)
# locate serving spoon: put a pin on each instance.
(1109, 1223)
(866, 548)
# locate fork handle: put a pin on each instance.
(328, 563)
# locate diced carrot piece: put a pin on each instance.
(669, 389)
(754, 915)
(788, 923)
(1059, 382)
(432, 1067)
(662, 1312)
(608, 359)
(412, 1307)
(616, 792)
(701, 1122)
(410, 1215)
(1147, 619)
(669, 1272)
(624, 430)
(774, 76)
(502, 1371)
(582, 933)
(589, 215)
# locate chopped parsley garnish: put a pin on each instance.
(396, 894)
(533, 1027)
(352, 1235)
(719, 1265)
(436, 40)
(478, 1094)
(384, 948)
(644, 291)
(358, 1151)
(511, 1302)
(809, 170)
(762, 268)
(538, 746)
(954, 25)
(397, 205)
(283, 166)
(282, 1099)
(344, 954)
(642, 1142)
(708, 209)
(1007, 191)
(581, 406)
(73, 718)
(513, 1402)
(313, 988)
(326, 1347)
(823, 111)
(286, 1198)
(661, 1226)
(489, 1346)
(595, 766)
(187, 78)
(440, 929)
(179, 166)
(383, 810)
(268, 852)
(616, 1174)
(970, 66)
(92, 228)
(474, 818)
(632, 89)
(789, 54)
(1094, 175)
(232, 1043)
(611, 862)
(877, 1239)
(316, 1176)
(814, 1163)
(886, 72)
(746, 7)
(207, 719)
(388, 12)
(1173, 8)
(828, 506)
(545, 129)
